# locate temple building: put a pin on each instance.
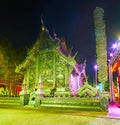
(50, 63)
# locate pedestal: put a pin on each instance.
(38, 95)
(24, 98)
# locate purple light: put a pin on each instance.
(95, 67)
(111, 54)
(114, 46)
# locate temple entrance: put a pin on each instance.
(114, 79)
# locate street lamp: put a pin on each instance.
(114, 46)
(96, 68)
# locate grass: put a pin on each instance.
(51, 116)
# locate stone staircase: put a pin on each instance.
(9, 102)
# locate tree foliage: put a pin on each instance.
(9, 58)
(5, 58)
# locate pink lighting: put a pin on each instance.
(111, 54)
(113, 110)
(73, 84)
(96, 67)
(77, 77)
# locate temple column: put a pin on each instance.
(111, 84)
(119, 84)
(54, 78)
(37, 70)
(27, 78)
(38, 82)
(66, 76)
(24, 94)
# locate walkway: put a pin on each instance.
(114, 110)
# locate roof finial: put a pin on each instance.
(55, 35)
(43, 28)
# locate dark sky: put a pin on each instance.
(71, 19)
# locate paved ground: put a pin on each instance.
(32, 116)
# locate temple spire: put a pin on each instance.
(43, 28)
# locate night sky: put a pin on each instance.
(20, 22)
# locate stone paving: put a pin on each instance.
(35, 117)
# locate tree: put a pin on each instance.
(9, 58)
(4, 63)
(101, 50)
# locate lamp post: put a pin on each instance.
(96, 68)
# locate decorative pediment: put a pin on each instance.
(87, 91)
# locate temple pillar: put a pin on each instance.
(54, 78)
(111, 83)
(66, 76)
(27, 78)
(37, 70)
(119, 84)
(24, 94)
(38, 82)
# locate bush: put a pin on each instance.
(3, 91)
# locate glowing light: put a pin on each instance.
(43, 28)
(96, 67)
(97, 87)
(114, 46)
(111, 54)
